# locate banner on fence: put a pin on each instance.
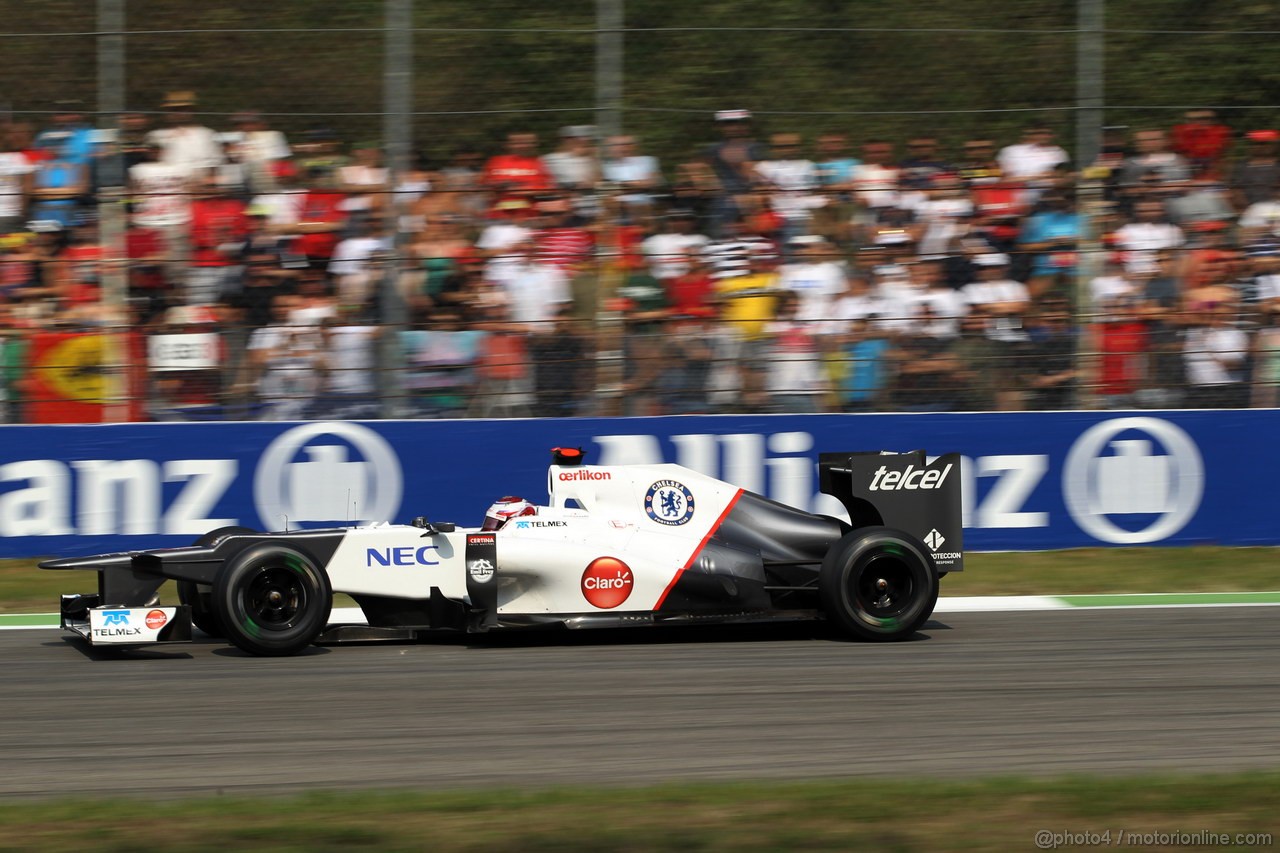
(1031, 480)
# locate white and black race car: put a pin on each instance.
(624, 545)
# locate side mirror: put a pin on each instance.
(430, 529)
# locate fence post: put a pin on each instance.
(609, 66)
(111, 219)
(397, 145)
(1090, 99)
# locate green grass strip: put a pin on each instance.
(28, 620)
(858, 814)
(1171, 598)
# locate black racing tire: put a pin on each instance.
(879, 584)
(199, 596)
(272, 600)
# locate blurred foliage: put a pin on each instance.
(1016, 63)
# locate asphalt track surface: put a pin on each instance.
(1043, 694)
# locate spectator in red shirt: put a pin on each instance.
(83, 257)
(562, 242)
(519, 173)
(1122, 347)
(321, 217)
(693, 293)
(1203, 141)
(145, 248)
(219, 227)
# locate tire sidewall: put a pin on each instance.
(199, 596)
(854, 554)
(230, 595)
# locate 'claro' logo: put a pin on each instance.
(607, 582)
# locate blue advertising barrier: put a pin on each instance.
(1032, 481)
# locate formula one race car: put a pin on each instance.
(615, 546)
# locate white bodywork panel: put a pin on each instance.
(128, 624)
(652, 518)
(604, 514)
(398, 560)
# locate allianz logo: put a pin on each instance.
(295, 481)
(1141, 466)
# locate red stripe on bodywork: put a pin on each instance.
(696, 551)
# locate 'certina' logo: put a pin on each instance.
(481, 539)
(406, 555)
(912, 478)
(669, 502)
(156, 620)
(115, 617)
(525, 524)
(480, 570)
(607, 582)
(584, 474)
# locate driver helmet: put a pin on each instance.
(505, 509)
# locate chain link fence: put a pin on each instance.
(643, 208)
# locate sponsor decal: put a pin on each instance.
(115, 617)
(584, 474)
(607, 582)
(326, 485)
(481, 571)
(406, 555)
(156, 620)
(527, 524)
(669, 502)
(117, 632)
(934, 539)
(481, 539)
(1119, 491)
(911, 479)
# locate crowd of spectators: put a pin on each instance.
(759, 274)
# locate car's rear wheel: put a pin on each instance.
(272, 600)
(199, 596)
(877, 583)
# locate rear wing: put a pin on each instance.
(904, 491)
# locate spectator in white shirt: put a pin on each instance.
(1003, 303)
(533, 290)
(1262, 219)
(1148, 234)
(635, 176)
(815, 276)
(668, 251)
(258, 149)
(1034, 159)
(1214, 354)
(185, 143)
(789, 182)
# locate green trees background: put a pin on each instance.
(482, 67)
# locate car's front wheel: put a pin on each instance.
(199, 596)
(272, 600)
(878, 584)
